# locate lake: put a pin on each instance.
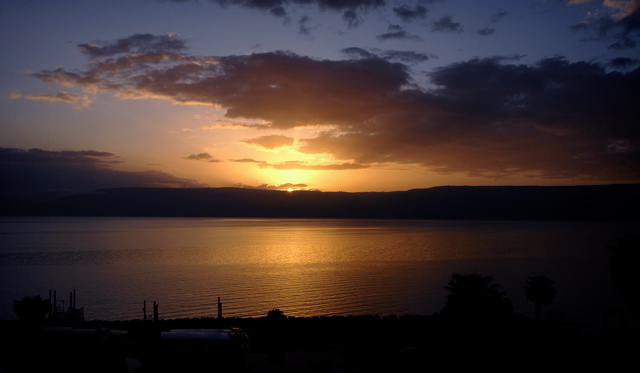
(304, 267)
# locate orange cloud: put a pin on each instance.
(270, 141)
(62, 96)
(295, 165)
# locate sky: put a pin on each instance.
(330, 95)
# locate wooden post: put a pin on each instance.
(219, 308)
(155, 311)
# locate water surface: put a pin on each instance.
(305, 267)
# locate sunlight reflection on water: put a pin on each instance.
(304, 267)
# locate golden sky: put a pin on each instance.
(337, 96)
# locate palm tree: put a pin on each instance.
(541, 291)
(474, 295)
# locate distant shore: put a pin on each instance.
(588, 202)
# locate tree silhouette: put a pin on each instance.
(623, 267)
(541, 291)
(473, 296)
(31, 308)
(276, 314)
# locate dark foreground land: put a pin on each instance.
(322, 344)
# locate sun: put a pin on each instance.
(290, 190)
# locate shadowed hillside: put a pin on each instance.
(607, 202)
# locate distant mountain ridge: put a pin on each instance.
(603, 202)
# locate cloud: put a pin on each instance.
(553, 120)
(351, 18)
(397, 32)
(405, 56)
(486, 31)
(282, 88)
(408, 14)
(202, 157)
(622, 22)
(138, 43)
(285, 186)
(357, 52)
(39, 156)
(246, 160)
(446, 24)
(392, 55)
(86, 170)
(491, 117)
(81, 101)
(495, 18)
(295, 165)
(623, 62)
(303, 23)
(270, 141)
(282, 8)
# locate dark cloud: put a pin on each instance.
(44, 170)
(447, 24)
(270, 141)
(486, 31)
(351, 18)
(397, 32)
(356, 52)
(344, 4)
(281, 8)
(405, 56)
(489, 117)
(278, 11)
(139, 43)
(623, 27)
(255, 4)
(39, 156)
(552, 120)
(408, 14)
(392, 55)
(304, 25)
(323, 4)
(202, 157)
(624, 62)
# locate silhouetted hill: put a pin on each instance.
(609, 202)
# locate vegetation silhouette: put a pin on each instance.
(623, 264)
(541, 291)
(475, 297)
(477, 328)
(276, 319)
(276, 314)
(31, 308)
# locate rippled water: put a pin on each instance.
(304, 267)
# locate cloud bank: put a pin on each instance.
(489, 117)
(35, 170)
